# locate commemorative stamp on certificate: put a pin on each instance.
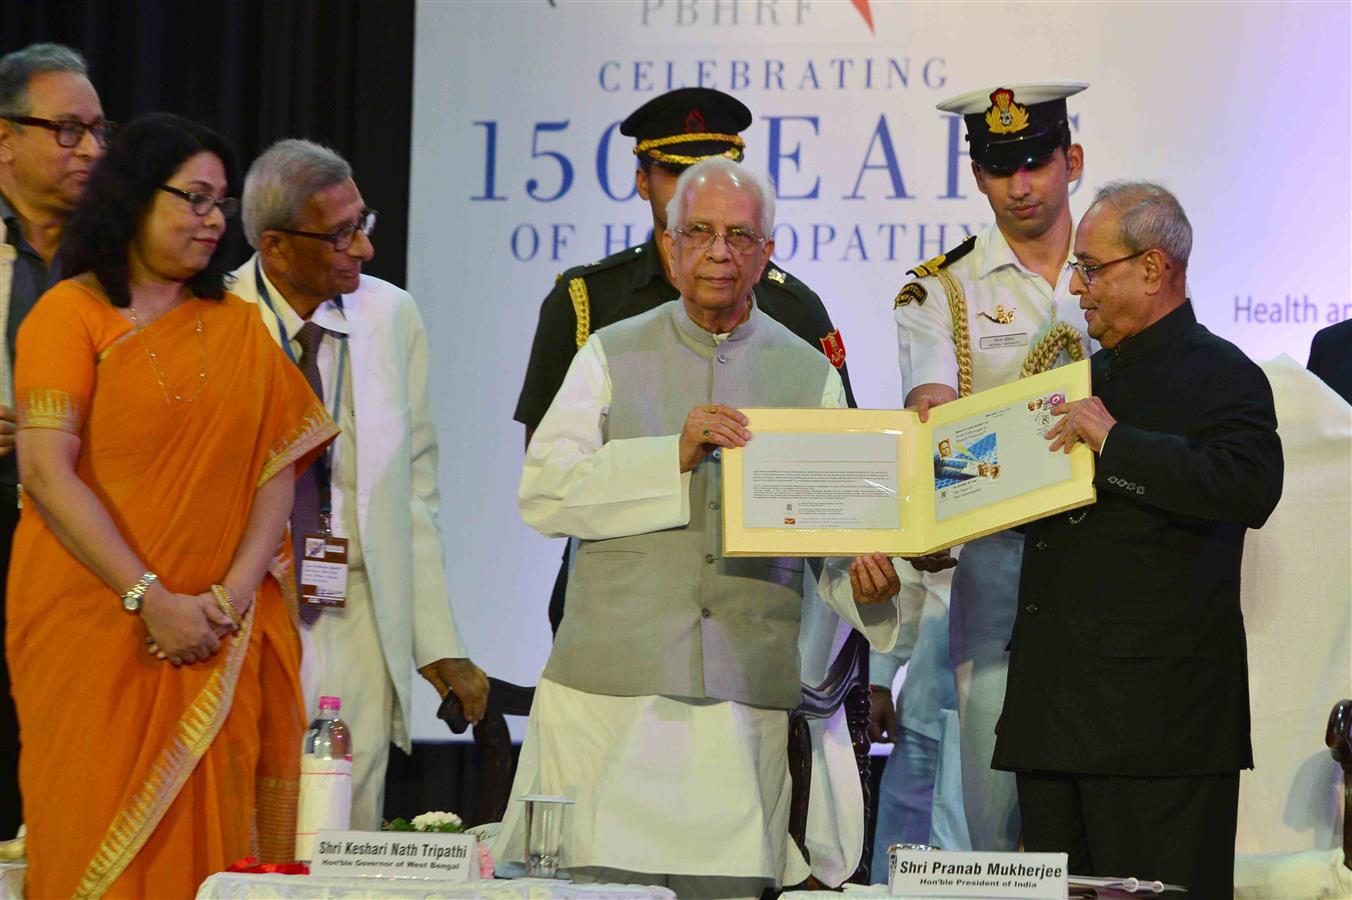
(834, 482)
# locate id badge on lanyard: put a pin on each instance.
(323, 571)
(323, 568)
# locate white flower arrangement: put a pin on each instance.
(445, 823)
(437, 821)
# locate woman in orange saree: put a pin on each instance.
(159, 432)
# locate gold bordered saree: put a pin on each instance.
(141, 779)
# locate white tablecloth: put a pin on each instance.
(1312, 875)
(231, 886)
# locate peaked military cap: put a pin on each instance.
(1015, 126)
(683, 126)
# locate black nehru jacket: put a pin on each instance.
(1128, 650)
(632, 282)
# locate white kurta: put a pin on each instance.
(661, 785)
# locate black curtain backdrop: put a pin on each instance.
(339, 72)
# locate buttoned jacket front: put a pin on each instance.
(1128, 655)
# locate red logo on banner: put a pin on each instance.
(834, 348)
(694, 122)
(862, 6)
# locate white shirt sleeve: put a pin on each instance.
(883, 667)
(925, 350)
(577, 484)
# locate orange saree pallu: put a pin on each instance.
(139, 778)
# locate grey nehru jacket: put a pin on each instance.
(664, 613)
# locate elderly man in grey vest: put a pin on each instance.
(662, 711)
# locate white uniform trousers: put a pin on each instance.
(981, 608)
(341, 657)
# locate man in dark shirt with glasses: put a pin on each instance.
(52, 131)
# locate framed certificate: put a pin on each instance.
(842, 482)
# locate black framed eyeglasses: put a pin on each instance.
(1086, 270)
(202, 204)
(343, 237)
(739, 240)
(70, 132)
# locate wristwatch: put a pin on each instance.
(131, 600)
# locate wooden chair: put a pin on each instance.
(1308, 873)
(845, 685)
(494, 742)
(1338, 738)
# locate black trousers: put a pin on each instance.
(11, 808)
(1176, 830)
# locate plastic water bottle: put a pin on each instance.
(325, 778)
(328, 736)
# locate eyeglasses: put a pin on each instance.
(739, 240)
(70, 132)
(343, 237)
(1086, 270)
(202, 204)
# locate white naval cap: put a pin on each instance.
(1011, 126)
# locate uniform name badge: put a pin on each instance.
(323, 572)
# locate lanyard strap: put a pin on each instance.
(266, 296)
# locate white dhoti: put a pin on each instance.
(666, 786)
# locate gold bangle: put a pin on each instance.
(226, 604)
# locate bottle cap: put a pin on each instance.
(332, 703)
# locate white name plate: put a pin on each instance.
(396, 854)
(942, 873)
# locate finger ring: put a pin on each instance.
(706, 434)
(713, 408)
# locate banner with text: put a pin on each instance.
(519, 172)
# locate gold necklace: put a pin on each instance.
(155, 364)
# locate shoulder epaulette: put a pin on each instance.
(931, 267)
(785, 281)
(600, 265)
(575, 279)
